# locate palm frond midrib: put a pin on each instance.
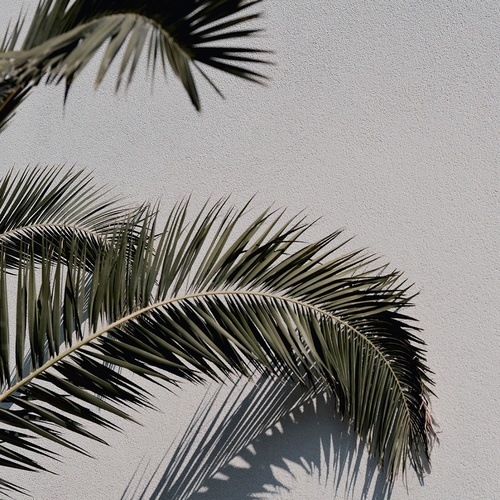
(212, 293)
(53, 225)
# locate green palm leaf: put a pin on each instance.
(64, 36)
(41, 208)
(206, 299)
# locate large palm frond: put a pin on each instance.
(209, 299)
(64, 36)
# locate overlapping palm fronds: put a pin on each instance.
(64, 36)
(204, 299)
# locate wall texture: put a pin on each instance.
(380, 117)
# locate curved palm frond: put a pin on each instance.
(206, 299)
(42, 207)
(64, 36)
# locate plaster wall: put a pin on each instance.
(380, 117)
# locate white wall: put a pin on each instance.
(381, 117)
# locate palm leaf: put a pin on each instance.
(205, 300)
(58, 224)
(64, 36)
(42, 208)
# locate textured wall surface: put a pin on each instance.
(380, 117)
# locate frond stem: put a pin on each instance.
(55, 225)
(137, 313)
(11, 55)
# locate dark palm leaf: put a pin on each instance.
(40, 208)
(202, 300)
(64, 36)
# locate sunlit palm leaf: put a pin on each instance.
(63, 37)
(204, 300)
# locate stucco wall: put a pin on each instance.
(380, 117)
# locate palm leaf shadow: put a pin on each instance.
(260, 422)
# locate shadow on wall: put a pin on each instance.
(234, 449)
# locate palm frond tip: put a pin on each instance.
(205, 299)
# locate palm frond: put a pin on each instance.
(205, 299)
(64, 36)
(42, 207)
